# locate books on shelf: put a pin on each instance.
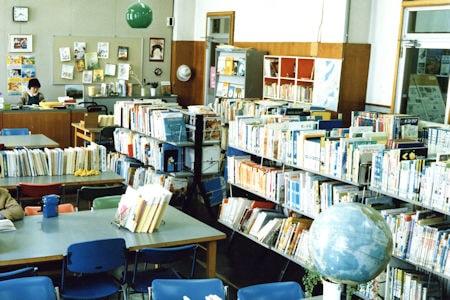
(142, 210)
(37, 162)
(163, 157)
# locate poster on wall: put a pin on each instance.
(327, 74)
(20, 69)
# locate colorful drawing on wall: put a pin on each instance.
(98, 75)
(110, 70)
(79, 65)
(122, 53)
(103, 50)
(67, 71)
(28, 71)
(91, 61)
(20, 69)
(20, 43)
(64, 54)
(157, 49)
(87, 76)
(79, 49)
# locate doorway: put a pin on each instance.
(219, 31)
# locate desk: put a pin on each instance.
(87, 134)
(38, 239)
(29, 141)
(108, 177)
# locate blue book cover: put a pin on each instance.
(171, 158)
(174, 128)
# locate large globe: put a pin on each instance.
(350, 243)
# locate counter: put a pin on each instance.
(54, 123)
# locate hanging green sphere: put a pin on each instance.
(139, 15)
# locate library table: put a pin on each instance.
(38, 239)
(108, 177)
(87, 134)
(29, 141)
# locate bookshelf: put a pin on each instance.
(238, 72)
(289, 78)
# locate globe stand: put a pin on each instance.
(331, 290)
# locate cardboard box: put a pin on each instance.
(91, 120)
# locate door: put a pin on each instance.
(424, 64)
(219, 31)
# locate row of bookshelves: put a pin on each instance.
(422, 268)
(253, 239)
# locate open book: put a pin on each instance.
(6, 225)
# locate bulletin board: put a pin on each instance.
(135, 56)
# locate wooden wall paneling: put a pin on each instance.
(354, 74)
(53, 124)
(280, 48)
(330, 50)
(1, 120)
(191, 53)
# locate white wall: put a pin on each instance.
(265, 20)
(80, 18)
(385, 21)
(371, 21)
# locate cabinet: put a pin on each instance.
(238, 73)
(304, 80)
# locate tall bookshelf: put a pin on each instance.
(238, 73)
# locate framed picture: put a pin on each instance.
(20, 43)
(122, 53)
(157, 49)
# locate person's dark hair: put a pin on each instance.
(34, 82)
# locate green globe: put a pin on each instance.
(350, 243)
(139, 15)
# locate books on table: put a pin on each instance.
(141, 210)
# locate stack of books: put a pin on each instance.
(142, 210)
(36, 162)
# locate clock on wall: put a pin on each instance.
(20, 14)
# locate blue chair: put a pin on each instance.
(289, 290)
(15, 131)
(36, 287)
(175, 289)
(93, 261)
(142, 280)
(23, 272)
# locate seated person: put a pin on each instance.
(9, 208)
(32, 95)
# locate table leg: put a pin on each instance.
(211, 252)
(75, 138)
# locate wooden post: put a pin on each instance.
(211, 257)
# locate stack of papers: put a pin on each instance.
(6, 225)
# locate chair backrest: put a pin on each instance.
(102, 109)
(23, 272)
(89, 193)
(36, 287)
(38, 190)
(272, 291)
(107, 132)
(66, 208)
(174, 289)
(106, 202)
(32, 210)
(15, 131)
(167, 255)
(96, 256)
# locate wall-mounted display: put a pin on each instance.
(157, 49)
